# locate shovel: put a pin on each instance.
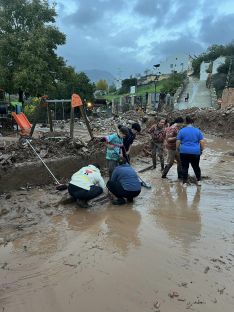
(59, 187)
(143, 183)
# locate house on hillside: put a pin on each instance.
(210, 67)
(218, 62)
(175, 63)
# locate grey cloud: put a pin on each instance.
(153, 8)
(126, 38)
(184, 12)
(219, 30)
(96, 20)
(86, 54)
(90, 12)
(184, 44)
(163, 11)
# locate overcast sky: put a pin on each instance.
(127, 36)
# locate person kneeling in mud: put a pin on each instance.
(86, 184)
(124, 183)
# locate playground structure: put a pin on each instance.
(27, 128)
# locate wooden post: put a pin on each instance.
(50, 119)
(72, 123)
(83, 113)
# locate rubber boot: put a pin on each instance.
(165, 171)
(119, 201)
(82, 203)
(162, 166)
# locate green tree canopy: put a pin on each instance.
(127, 84)
(28, 41)
(212, 53)
(102, 85)
(72, 82)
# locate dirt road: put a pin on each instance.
(172, 250)
(199, 95)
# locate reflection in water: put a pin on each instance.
(120, 226)
(176, 210)
(83, 219)
(123, 229)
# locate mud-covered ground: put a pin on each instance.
(171, 250)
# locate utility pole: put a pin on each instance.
(155, 85)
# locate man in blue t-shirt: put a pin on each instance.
(190, 143)
(124, 183)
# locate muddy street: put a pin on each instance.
(171, 250)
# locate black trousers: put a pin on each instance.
(117, 189)
(79, 193)
(186, 160)
(111, 164)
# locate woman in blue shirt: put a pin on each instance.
(190, 142)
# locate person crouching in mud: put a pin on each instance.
(86, 184)
(124, 183)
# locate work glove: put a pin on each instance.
(103, 139)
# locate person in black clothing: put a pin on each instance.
(129, 139)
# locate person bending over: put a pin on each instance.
(129, 139)
(124, 183)
(86, 184)
(114, 144)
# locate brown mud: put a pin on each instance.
(171, 250)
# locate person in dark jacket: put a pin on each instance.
(129, 139)
(124, 183)
(158, 134)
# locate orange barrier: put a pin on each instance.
(76, 100)
(22, 122)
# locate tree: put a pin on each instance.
(84, 87)
(112, 88)
(212, 53)
(102, 85)
(126, 84)
(28, 41)
(72, 82)
(172, 83)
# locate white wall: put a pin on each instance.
(176, 62)
(219, 61)
(203, 70)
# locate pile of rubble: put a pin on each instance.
(214, 121)
(107, 124)
(219, 122)
(47, 148)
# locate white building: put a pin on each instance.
(219, 61)
(175, 63)
(203, 70)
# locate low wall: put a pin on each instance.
(34, 173)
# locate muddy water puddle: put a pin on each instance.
(172, 250)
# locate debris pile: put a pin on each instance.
(107, 124)
(56, 147)
(219, 122)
